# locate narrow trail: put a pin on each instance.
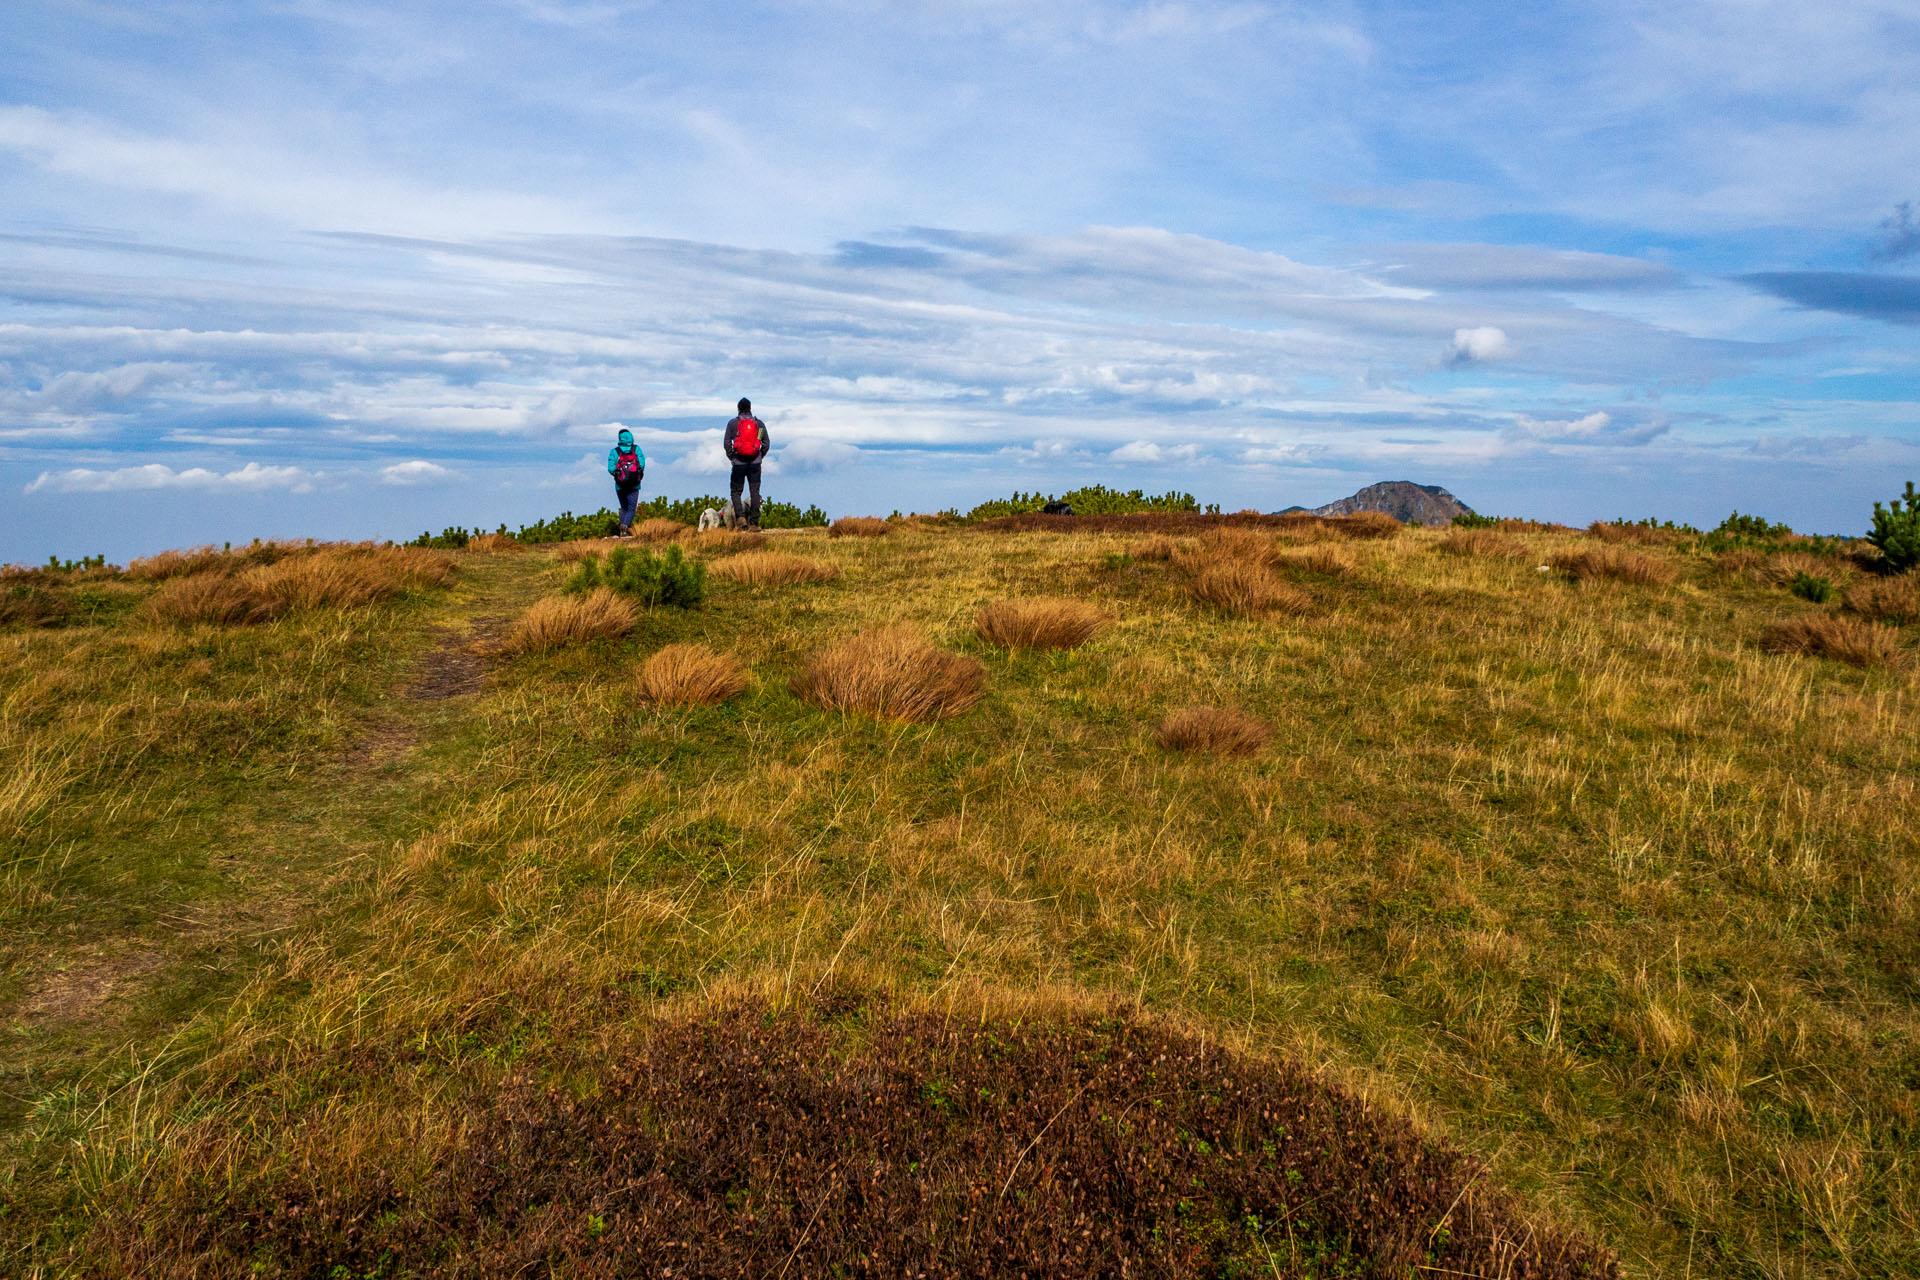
(108, 986)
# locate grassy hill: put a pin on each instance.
(367, 926)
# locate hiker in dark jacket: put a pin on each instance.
(746, 444)
(628, 467)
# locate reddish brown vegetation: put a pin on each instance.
(1043, 623)
(1894, 600)
(896, 673)
(1616, 564)
(657, 529)
(1221, 730)
(1644, 535)
(494, 542)
(1367, 524)
(748, 1145)
(1829, 636)
(859, 527)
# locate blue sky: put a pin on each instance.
(334, 268)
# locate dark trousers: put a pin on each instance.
(629, 504)
(749, 474)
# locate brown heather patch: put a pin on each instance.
(1895, 600)
(26, 603)
(660, 529)
(1041, 623)
(1220, 730)
(1739, 563)
(558, 621)
(1175, 523)
(859, 527)
(773, 569)
(1481, 543)
(744, 1144)
(1366, 525)
(213, 597)
(1615, 564)
(1158, 548)
(684, 675)
(895, 673)
(1843, 639)
(1613, 532)
(494, 542)
(720, 542)
(1245, 586)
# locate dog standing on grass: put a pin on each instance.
(711, 519)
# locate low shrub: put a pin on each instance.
(1616, 564)
(895, 673)
(1041, 623)
(1246, 586)
(859, 527)
(1220, 730)
(1811, 587)
(773, 569)
(668, 578)
(1894, 600)
(558, 621)
(684, 675)
(1896, 531)
(214, 598)
(1480, 541)
(1093, 500)
(1843, 639)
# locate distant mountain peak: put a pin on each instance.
(1403, 500)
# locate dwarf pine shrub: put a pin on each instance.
(1812, 587)
(1896, 531)
(667, 578)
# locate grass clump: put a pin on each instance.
(1614, 564)
(684, 675)
(1844, 639)
(558, 621)
(1219, 730)
(1895, 600)
(1480, 543)
(32, 605)
(666, 578)
(895, 673)
(774, 568)
(1325, 559)
(1046, 622)
(348, 577)
(212, 598)
(726, 541)
(1246, 587)
(660, 530)
(859, 527)
(1157, 549)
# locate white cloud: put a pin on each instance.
(154, 475)
(1149, 452)
(810, 453)
(1477, 345)
(1597, 428)
(417, 471)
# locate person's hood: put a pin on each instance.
(626, 438)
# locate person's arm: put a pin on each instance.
(613, 458)
(726, 441)
(640, 456)
(766, 441)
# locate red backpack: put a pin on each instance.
(746, 440)
(626, 466)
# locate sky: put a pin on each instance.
(335, 268)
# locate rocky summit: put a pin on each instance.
(1403, 500)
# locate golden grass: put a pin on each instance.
(1246, 586)
(1159, 548)
(859, 527)
(1741, 562)
(339, 579)
(558, 621)
(895, 673)
(1844, 639)
(1366, 525)
(581, 548)
(494, 542)
(773, 568)
(1482, 543)
(1220, 730)
(725, 541)
(1614, 564)
(1217, 546)
(660, 529)
(1326, 559)
(684, 675)
(213, 598)
(1614, 532)
(1044, 622)
(1895, 600)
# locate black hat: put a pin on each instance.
(746, 405)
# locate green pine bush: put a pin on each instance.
(669, 578)
(1811, 587)
(1896, 531)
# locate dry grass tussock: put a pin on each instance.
(581, 548)
(1895, 600)
(773, 568)
(1220, 730)
(1616, 564)
(660, 529)
(178, 564)
(1364, 526)
(558, 621)
(1826, 635)
(1741, 562)
(1614, 532)
(1783, 567)
(1246, 586)
(1219, 545)
(859, 527)
(1157, 549)
(684, 675)
(1041, 623)
(1480, 543)
(328, 578)
(1326, 559)
(720, 542)
(895, 673)
(494, 542)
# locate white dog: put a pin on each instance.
(710, 519)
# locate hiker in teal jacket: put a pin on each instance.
(628, 467)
